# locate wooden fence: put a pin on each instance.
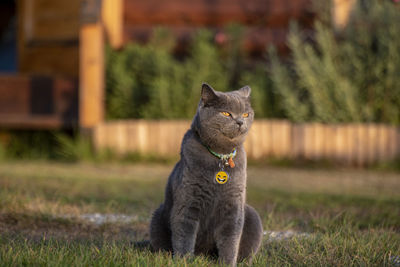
(349, 144)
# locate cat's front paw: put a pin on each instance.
(231, 263)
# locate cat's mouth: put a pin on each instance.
(233, 134)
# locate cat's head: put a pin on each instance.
(223, 119)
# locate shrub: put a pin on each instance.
(352, 77)
(27, 144)
(147, 81)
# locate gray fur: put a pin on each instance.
(198, 214)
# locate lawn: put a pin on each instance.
(311, 217)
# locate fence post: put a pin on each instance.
(372, 143)
(112, 16)
(91, 66)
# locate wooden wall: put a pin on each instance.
(349, 144)
(38, 102)
(48, 37)
(48, 30)
(265, 21)
(57, 41)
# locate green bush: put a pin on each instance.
(27, 144)
(148, 81)
(351, 76)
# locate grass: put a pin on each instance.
(351, 216)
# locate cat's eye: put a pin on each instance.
(227, 114)
(245, 115)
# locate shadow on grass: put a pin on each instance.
(35, 228)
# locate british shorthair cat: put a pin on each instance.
(204, 211)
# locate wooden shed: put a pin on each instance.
(52, 52)
(54, 76)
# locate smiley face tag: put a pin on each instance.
(221, 177)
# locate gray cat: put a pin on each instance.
(204, 210)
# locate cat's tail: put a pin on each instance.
(142, 245)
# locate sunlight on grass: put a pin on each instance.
(350, 217)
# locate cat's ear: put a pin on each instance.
(208, 94)
(245, 91)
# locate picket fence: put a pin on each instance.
(349, 144)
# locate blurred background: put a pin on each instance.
(109, 78)
(96, 95)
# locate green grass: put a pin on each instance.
(351, 216)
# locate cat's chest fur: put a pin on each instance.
(197, 186)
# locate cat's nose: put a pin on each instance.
(240, 122)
